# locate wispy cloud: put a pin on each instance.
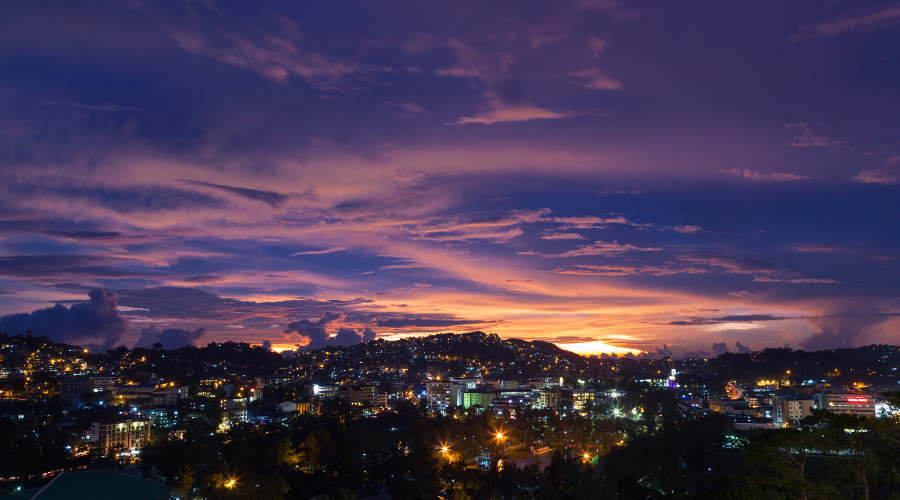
(817, 248)
(562, 236)
(319, 252)
(596, 80)
(618, 270)
(596, 45)
(889, 174)
(97, 107)
(502, 114)
(849, 23)
(268, 197)
(687, 229)
(590, 221)
(604, 249)
(808, 138)
(761, 176)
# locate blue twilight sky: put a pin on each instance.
(657, 177)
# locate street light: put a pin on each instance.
(230, 484)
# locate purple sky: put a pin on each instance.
(603, 174)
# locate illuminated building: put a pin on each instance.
(444, 394)
(483, 398)
(848, 403)
(787, 409)
(125, 434)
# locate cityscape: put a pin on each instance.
(452, 416)
(449, 250)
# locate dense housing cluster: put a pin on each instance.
(452, 415)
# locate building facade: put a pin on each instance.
(125, 434)
(849, 403)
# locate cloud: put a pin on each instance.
(313, 333)
(617, 270)
(808, 138)
(735, 318)
(133, 199)
(487, 58)
(596, 45)
(389, 322)
(812, 280)
(562, 236)
(96, 324)
(741, 348)
(719, 348)
(816, 248)
(406, 110)
(55, 265)
(497, 227)
(687, 229)
(604, 249)
(596, 80)
(96, 107)
(886, 18)
(278, 58)
(760, 176)
(170, 338)
(829, 338)
(889, 174)
(512, 114)
(590, 222)
(267, 345)
(846, 325)
(84, 234)
(660, 352)
(315, 336)
(319, 252)
(270, 198)
(735, 264)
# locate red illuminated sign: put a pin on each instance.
(857, 400)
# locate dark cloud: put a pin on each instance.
(736, 264)
(848, 326)
(195, 304)
(55, 265)
(660, 352)
(736, 318)
(270, 198)
(125, 199)
(719, 348)
(84, 234)
(741, 348)
(267, 345)
(829, 338)
(386, 322)
(96, 324)
(317, 336)
(171, 338)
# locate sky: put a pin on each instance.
(666, 178)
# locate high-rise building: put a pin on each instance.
(120, 433)
(444, 394)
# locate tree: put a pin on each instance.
(183, 485)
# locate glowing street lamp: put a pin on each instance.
(230, 484)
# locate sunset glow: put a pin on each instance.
(612, 177)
